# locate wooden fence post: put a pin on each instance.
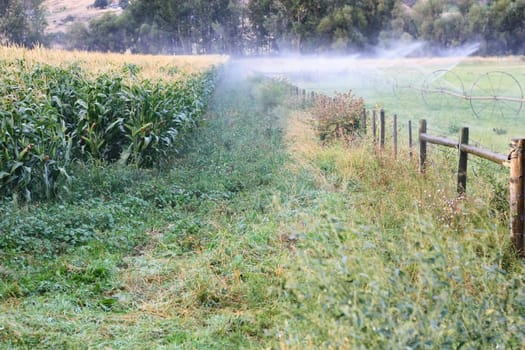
(462, 164)
(382, 129)
(422, 146)
(410, 150)
(374, 126)
(517, 207)
(364, 121)
(395, 136)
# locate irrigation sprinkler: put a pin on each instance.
(439, 86)
(496, 94)
(493, 94)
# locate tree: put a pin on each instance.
(355, 25)
(101, 4)
(22, 22)
(341, 28)
(402, 23)
(505, 32)
(306, 26)
(123, 4)
(187, 26)
(107, 34)
(268, 21)
(77, 37)
(464, 6)
(426, 13)
(449, 30)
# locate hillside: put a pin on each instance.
(62, 13)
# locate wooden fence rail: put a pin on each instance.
(515, 161)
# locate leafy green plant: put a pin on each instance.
(53, 116)
(258, 246)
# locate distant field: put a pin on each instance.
(399, 86)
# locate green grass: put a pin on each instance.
(133, 258)
(396, 85)
(255, 236)
(391, 260)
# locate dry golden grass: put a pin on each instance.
(62, 13)
(300, 137)
(413, 65)
(438, 62)
(304, 148)
(151, 66)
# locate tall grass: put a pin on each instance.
(185, 257)
(388, 258)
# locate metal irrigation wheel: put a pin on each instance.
(496, 94)
(442, 88)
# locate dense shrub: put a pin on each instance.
(338, 117)
(102, 4)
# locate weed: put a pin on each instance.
(270, 93)
(401, 262)
(337, 117)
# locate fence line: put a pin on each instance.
(515, 161)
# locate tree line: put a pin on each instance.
(254, 27)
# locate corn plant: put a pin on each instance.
(53, 116)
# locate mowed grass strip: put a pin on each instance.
(185, 255)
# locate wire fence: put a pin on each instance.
(375, 122)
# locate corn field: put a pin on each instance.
(53, 115)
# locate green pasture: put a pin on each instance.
(428, 88)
